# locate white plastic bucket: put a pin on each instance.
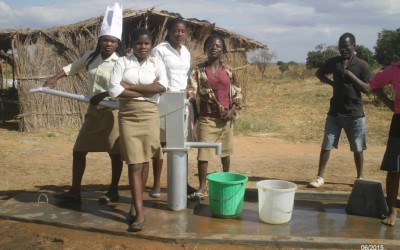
(275, 201)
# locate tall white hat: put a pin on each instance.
(112, 22)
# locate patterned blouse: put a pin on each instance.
(205, 97)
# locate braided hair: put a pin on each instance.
(120, 52)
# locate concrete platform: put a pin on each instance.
(319, 220)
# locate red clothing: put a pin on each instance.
(206, 100)
(220, 84)
(390, 75)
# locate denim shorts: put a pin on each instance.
(354, 128)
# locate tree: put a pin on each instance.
(317, 58)
(387, 49)
(261, 57)
(366, 54)
(283, 66)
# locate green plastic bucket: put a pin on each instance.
(226, 193)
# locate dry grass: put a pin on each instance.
(293, 106)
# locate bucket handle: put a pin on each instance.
(43, 196)
(232, 195)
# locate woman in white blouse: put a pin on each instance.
(137, 80)
(176, 58)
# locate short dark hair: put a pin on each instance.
(173, 22)
(350, 36)
(215, 36)
(138, 32)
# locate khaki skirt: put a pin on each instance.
(215, 130)
(99, 131)
(139, 126)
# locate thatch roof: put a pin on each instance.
(40, 53)
(152, 17)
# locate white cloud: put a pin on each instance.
(5, 9)
(289, 27)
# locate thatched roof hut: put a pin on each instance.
(39, 54)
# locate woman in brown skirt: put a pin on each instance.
(137, 80)
(214, 89)
(99, 132)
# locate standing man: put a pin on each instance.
(350, 76)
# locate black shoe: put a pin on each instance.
(107, 198)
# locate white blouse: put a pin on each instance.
(129, 70)
(177, 65)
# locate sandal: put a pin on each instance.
(136, 226)
(196, 196)
(107, 198)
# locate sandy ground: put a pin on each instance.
(42, 161)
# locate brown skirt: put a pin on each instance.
(215, 130)
(139, 126)
(99, 131)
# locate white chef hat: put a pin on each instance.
(112, 22)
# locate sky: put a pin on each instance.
(290, 28)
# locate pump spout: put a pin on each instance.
(216, 145)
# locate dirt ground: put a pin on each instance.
(42, 161)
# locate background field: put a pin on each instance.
(278, 136)
(284, 113)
